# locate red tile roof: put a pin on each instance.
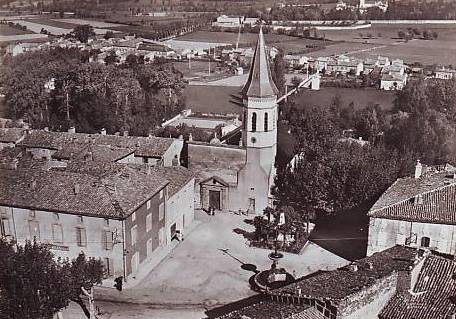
(434, 294)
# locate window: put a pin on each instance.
(266, 119)
(57, 233)
(134, 235)
(148, 204)
(161, 211)
(148, 222)
(425, 242)
(161, 194)
(107, 239)
(81, 237)
(254, 119)
(32, 214)
(5, 227)
(133, 216)
(34, 228)
(108, 267)
(149, 247)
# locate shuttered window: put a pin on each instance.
(148, 222)
(57, 233)
(107, 239)
(134, 235)
(34, 228)
(81, 237)
(5, 229)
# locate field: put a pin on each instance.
(360, 97)
(213, 99)
(6, 30)
(385, 42)
(53, 23)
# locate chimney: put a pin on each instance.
(72, 129)
(125, 133)
(103, 131)
(46, 129)
(190, 137)
(353, 267)
(76, 189)
(418, 169)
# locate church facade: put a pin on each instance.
(240, 178)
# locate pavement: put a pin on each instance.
(208, 268)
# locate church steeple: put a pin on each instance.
(259, 83)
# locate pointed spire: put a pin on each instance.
(259, 82)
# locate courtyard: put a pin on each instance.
(212, 266)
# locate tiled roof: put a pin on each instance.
(309, 313)
(259, 82)
(268, 309)
(430, 199)
(337, 284)
(393, 77)
(177, 176)
(434, 294)
(143, 146)
(216, 160)
(115, 194)
(11, 135)
(154, 47)
(102, 153)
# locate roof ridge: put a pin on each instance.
(408, 198)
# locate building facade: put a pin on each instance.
(416, 211)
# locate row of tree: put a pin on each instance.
(35, 285)
(58, 88)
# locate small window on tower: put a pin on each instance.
(254, 119)
(266, 119)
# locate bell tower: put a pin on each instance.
(259, 134)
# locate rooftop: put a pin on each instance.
(76, 143)
(338, 284)
(433, 294)
(430, 198)
(109, 194)
(11, 135)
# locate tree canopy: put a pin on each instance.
(58, 88)
(34, 285)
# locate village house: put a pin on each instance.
(9, 137)
(391, 284)
(344, 65)
(393, 76)
(444, 73)
(119, 217)
(319, 64)
(295, 61)
(417, 211)
(65, 146)
(125, 214)
(153, 50)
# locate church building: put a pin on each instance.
(240, 177)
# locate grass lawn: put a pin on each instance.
(53, 23)
(7, 30)
(360, 97)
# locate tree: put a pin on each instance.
(108, 35)
(34, 285)
(278, 72)
(31, 283)
(401, 34)
(83, 32)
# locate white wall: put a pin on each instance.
(174, 149)
(181, 208)
(386, 233)
(19, 221)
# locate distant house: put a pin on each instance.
(16, 49)
(295, 60)
(224, 21)
(9, 137)
(445, 73)
(344, 65)
(153, 50)
(417, 211)
(392, 82)
(393, 76)
(319, 64)
(399, 282)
